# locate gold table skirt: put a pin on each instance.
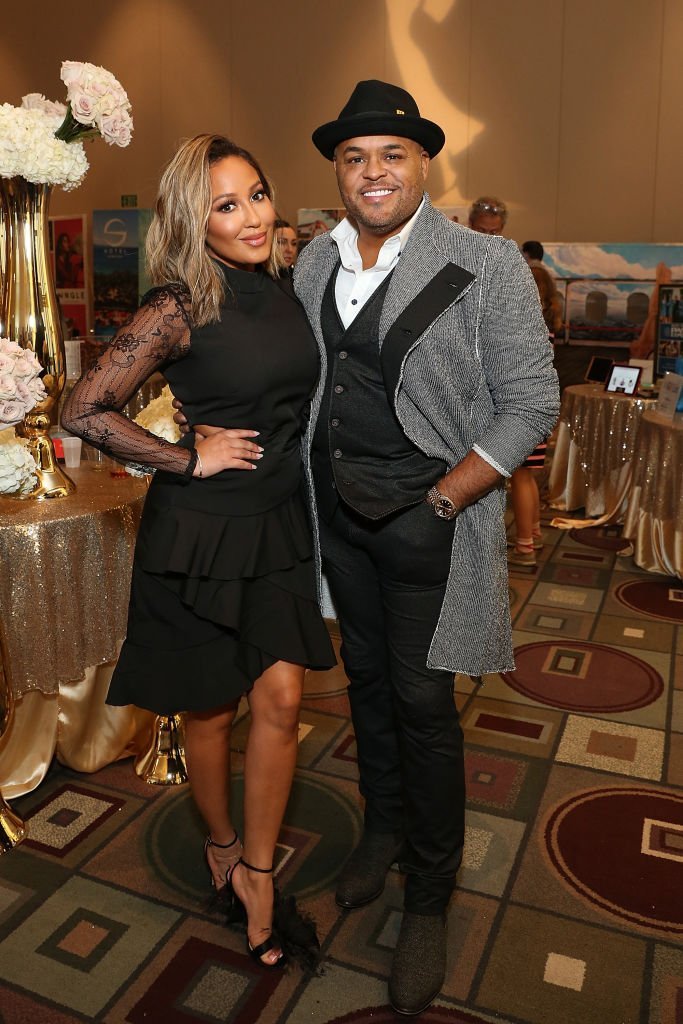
(66, 579)
(63, 605)
(75, 725)
(654, 516)
(596, 440)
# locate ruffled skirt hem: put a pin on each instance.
(205, 622)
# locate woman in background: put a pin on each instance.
(223, 598)
(288, 242)
(526, 502)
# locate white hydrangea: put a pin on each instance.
(28, 148)
(17, 468)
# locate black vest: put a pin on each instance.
(360, 452)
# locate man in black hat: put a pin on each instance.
(436, 382)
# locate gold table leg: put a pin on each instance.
(12, 828)
(164, 763)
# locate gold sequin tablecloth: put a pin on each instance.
(63, 603)
(596, 438)
(654, 517)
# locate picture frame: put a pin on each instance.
(623, 379)
(598, 370)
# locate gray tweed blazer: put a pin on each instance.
(467, 363)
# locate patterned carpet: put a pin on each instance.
(570, 901)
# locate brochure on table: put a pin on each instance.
(670, 395)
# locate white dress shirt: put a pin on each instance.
(354, 286)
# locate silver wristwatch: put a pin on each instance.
(443, 507)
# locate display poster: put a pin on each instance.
(68, 255)
(119, 276)
(669, 333)
(606, 286)
(312, 222)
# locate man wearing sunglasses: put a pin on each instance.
(488, 215)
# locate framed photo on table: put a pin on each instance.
(598, 370)
(623, 379)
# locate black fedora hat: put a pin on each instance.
(377, 108)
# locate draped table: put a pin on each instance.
(64, 586)
(596, 440)
(654, 514)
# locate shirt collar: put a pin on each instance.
(346, 238)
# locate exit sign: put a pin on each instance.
(129, 200)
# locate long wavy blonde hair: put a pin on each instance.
(176, 249)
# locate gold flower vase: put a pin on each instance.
(29, 315)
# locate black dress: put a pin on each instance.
(223, 576)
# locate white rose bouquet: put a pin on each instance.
(17, 468)
(42, 141)
(20, 385)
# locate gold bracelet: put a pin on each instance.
(199, 463)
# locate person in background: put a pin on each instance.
(286, 238)
(488, 215)
(533, 253)
(223, 598)
(524, 493)
(643, 346)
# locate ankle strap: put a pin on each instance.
(222, 846)
(261, 871)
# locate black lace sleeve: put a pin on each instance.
(158, 334)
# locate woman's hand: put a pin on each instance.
(179, 417)
(227, 449)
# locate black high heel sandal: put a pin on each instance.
(269, 943)
(223, 897)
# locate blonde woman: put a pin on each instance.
(223, 599)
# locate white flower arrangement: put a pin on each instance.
(20, 385)
(41, 141)
(17, 468)
(157, 417)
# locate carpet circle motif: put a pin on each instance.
(385, 1015)
(596, 537)
(622, 849)
(320, 830)
(583, 677)
(661, 599)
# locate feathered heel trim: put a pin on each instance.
(296, 931)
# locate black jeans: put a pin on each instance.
(387, 579)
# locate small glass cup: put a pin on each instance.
(72, 451)
(95, 458)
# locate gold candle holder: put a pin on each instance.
(164, 763)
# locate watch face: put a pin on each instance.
(443, 506)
